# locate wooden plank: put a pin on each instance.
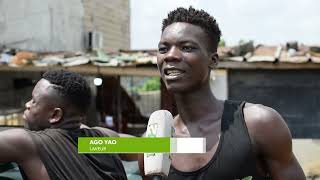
(153, 71)
(90, 70)
(130, 71)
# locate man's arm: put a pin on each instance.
(111, 133)
(15, 146)
(273, 142)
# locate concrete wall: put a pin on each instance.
(112, 18)
(42, 25)
(59, 25)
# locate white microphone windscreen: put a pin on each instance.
(160, 124)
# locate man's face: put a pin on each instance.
(40, 108)
(183, 57)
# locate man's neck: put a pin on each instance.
(197, 105)
(68, 123)
(200, 115)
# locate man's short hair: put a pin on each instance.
(71, 86)
(198, 18)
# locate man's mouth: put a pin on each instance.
(173, 72)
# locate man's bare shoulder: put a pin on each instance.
(15, 143)
(266, 126)
(17, 135)
(260, 116)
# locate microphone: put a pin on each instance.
(160, 124)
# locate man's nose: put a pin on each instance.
(27, 105)
(174, 54)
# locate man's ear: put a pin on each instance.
(56, 116)
(214, 58)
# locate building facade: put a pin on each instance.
(57, 25)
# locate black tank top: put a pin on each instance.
(58, 151)
(234, 157)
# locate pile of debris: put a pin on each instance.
(15, 58)
(291, 52)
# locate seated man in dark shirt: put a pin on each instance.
(47, 148)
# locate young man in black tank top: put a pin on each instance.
(243, 139)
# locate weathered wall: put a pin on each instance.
(42, 25)
(293, 93)
(112, 18)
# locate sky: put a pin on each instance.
(269, 22)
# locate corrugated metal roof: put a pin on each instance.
(246, 52)
(263, 53)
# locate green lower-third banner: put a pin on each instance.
(123, 145)
(141, 145)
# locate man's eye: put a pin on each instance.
(162, 49)
(188, 48)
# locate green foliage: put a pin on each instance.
(151, 84)
(247, 178)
